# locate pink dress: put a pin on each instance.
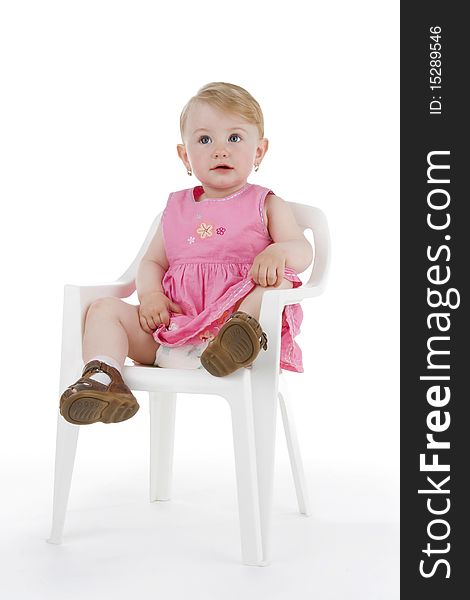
(210, 246)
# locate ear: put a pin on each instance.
(261, 149)
(180, 148)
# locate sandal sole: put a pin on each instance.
(234, 347)
(83, 408)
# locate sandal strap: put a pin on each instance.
(97, 365)
(263, 338)
(117, 383)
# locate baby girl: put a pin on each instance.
(219, 247)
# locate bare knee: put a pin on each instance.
(258, 291)
(285, 285)
(109, 305)
(252, 302)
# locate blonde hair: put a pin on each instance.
(227, 97)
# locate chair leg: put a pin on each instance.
(162, 434)
(66, 447)
(294, 449)
(265, 415)
(247, 485)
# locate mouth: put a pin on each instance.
(220, 167)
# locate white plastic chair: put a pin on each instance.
(251, 393)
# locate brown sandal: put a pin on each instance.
(88, 401)
(237, 345)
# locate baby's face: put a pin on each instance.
(212, 138)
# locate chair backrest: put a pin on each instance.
(307, 217)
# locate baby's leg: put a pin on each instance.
(240, 340)
(112, 332)
(112, 328)
(251, 304)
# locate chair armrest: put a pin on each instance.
(292, 296)
(272, 303)
(89, 293)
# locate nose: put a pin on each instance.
(220, 151)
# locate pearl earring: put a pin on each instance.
(256, 167)
(189, 172)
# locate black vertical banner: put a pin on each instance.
(435, 252)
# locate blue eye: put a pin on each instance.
(206, 137)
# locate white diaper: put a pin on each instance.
(181, 357)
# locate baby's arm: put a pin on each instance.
(290, 247)
(153, 266)
(154, 306)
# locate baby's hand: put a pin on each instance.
(268, 267)
(154, 310)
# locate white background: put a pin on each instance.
(89, 122)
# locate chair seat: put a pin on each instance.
(195, 381)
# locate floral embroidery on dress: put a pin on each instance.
(220, 230)
(204, 230)
(191, 240)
